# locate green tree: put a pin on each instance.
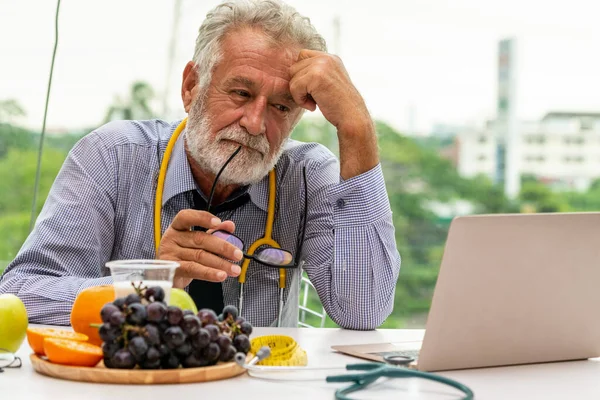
(541, 198)
(11, 135)
(135, 106)
(10, 111)
(16, 189)
(18, 162)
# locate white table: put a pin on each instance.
(568, 380)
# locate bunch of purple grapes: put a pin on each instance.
(141, 330)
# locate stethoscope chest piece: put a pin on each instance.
(397, 360)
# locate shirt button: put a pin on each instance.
(340, 203)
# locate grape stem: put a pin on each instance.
(229, 327)
(139, 290)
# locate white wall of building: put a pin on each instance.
(561, 148)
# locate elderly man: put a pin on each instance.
(257, 66)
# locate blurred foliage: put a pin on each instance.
(10, 111)
(18, 162)
(135, 106)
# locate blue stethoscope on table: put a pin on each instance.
(392, 368)
(282, 262)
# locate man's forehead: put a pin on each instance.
(246, 41)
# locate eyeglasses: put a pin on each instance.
(9, 360)
(266, 255)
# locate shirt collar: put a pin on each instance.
(179, 178)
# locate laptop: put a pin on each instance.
(512, 289)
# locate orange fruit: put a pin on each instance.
(36, 336)
(71, 352)
(86, 310)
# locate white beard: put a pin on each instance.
(247, 167)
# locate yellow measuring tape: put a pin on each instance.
(284, 351)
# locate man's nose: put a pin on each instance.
(254, 116)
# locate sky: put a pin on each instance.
(417, 63)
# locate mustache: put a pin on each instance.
(239, 135)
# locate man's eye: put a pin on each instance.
(242, 93)
(282, 108)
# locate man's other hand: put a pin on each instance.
(201, 255)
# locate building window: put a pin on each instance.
(535, 139)
(535, 158)
(574, 159)
(481, 157)
(586, 124)
(574, 140)
(482, 139)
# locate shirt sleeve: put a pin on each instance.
(350, 248)
(49, 271)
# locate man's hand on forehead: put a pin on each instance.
(320, 79)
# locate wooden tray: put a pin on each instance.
(101, 374)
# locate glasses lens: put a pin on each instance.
(6, 358)
(273, 256)
(228, 237)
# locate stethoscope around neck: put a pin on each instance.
(266, 240)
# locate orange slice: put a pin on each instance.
(71, 352)
(36, 336)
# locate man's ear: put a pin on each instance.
(189, 85)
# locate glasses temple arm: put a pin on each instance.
(301, 245)
(214, 186)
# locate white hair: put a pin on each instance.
(277, 20)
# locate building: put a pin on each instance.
(562, 149)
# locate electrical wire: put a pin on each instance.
(43, 134)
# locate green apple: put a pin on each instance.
(182, 299)
(13, 322)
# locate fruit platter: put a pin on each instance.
(139, 339)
